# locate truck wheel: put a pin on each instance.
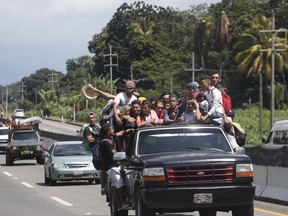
(113, 205)
(244, 210)
(207, 212)
(141, 208)
(9, 159)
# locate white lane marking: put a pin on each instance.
(7, 173)
(27, 185)
(63, 202)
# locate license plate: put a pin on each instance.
(203, 198)
(77, 172)
(27, 152)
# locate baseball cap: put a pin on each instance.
(193, 85)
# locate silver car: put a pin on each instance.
(68, 161)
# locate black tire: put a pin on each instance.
(97, 181)
(207, 212)
(141, 208)
(113, 205)
(244, 210)
(51, 181)
(9, 159)
(46, 179)
(40, 160)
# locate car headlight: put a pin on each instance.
(153, 174)
(59, 165)
(244, 170)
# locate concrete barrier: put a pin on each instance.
(270, 172)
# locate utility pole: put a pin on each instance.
(273, 31)
(52, 81)
(6, 105)
(22, 90)
(111, 65)
(193, 70)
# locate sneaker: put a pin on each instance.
(123, 207)
(103, 191)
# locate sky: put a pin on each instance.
(39, 34)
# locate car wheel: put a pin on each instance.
(9, 159)
(97, 181)
(113, 205)
(51, 181)
(207, 212)
(244, 210)
(141, 208)
(46, 179)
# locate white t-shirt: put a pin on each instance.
(122, 99)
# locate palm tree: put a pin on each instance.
(142, 27)
(202, 33)
(249, 55)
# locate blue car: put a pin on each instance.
(69, 161)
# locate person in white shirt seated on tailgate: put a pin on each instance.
(214, 98)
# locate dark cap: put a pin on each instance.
(230, 113)
(193, 85)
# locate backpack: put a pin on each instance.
(240, 134)
(226, 100)
(85, 141)
(97, 158)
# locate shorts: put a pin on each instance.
(116, 179)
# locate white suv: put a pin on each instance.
(278, 134)
(18, 113)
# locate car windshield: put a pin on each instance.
(70, 149)
(3, 131)
(24, 136)
(182, 139)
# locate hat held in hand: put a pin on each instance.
(88, 92)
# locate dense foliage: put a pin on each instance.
(154, 45)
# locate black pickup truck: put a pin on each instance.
(184, 169)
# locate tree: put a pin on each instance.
(248, 48)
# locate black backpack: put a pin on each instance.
(97, 157)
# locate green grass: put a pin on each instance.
(249, 118)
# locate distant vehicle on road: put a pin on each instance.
(278, 134)
(4, 136)
(24, 144)
(18, 113)
(69, 161)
